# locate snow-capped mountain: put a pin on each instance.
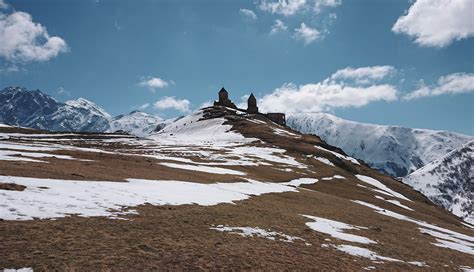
(449, 181)
(22, 107)
(394, 150)
(136, 122)
(19, 106)
(80, 115)
(87, 105)
(35, 109)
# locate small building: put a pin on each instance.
(224, 99)
(277, 117)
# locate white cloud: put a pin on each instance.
(247, 13)
(243, 101)
(168, 102)
(278, 26)
(328, 94)
(364, 75)
(324, 97)
(306, 33)
(283, 7)
(320, 4)
(205, 104)
(291, 7)
(437, 23)
(451, 84)
(155, 83)
(22, 40)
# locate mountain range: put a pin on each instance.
(34, 109)
(393, 150)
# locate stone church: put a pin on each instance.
(252, 107)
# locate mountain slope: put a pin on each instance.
(396, 151)
(449, 181)
(136, 122)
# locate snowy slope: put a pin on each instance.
(194, 129)
(396, 151)
(449, 181)
(136, 122)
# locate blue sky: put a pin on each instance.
(395, 65)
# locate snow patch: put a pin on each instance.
(267, 153)
(333, 177)
(347, 158)
(286, 133)
(380, 186)
(336, 229)
(258, 232)
(365, 253)
(325, 161)
(298, 182)
(51, 198)
(25, 269)
(394, 202)
(9, 155)
(206, 169)
(445, 238)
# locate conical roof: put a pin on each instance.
(223, 90)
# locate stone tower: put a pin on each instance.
(252, 104)
(223, 96)
(224, 99)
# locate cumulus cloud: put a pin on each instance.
(247, 13)
(154, 83)
(306, 33)
(364, 75)
(451, 84)
(320, 4)
(22, 40)
(437, 23)
(283, 7)
(329, 93)
(168, 102)
(323, 97)
(278, 26)
(291, 7)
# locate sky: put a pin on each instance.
(393, 62)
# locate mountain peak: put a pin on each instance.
(136, 122)
(89, 105)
